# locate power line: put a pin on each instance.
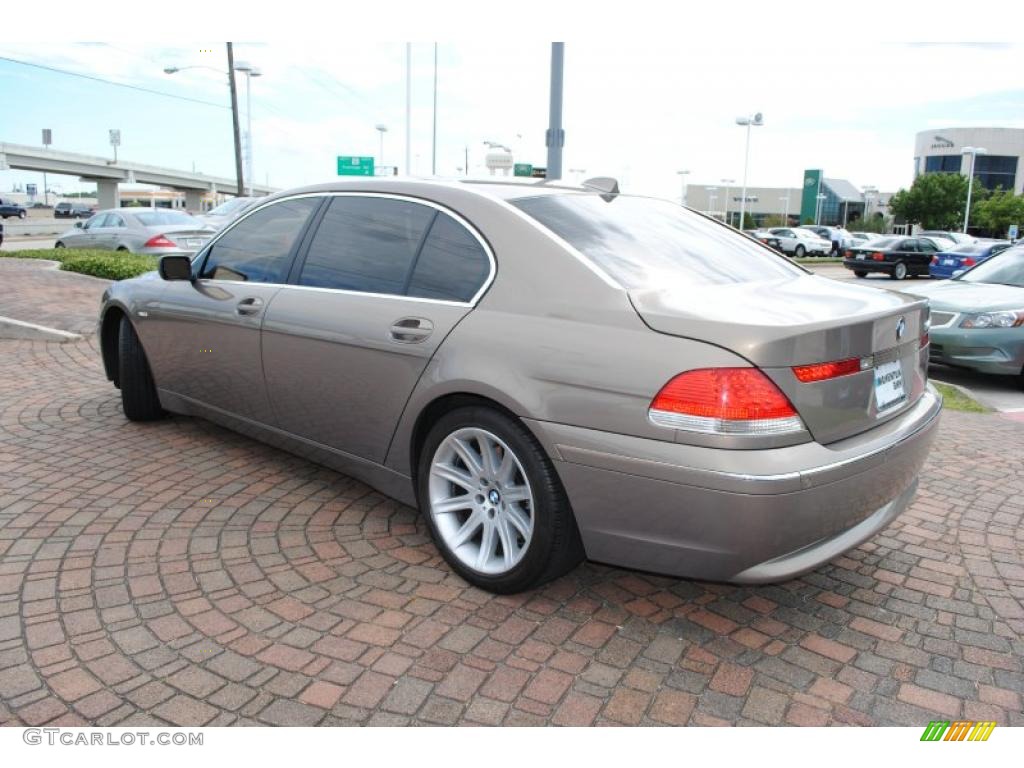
(113, 82)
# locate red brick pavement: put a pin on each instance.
(178, 573)
(38, 292)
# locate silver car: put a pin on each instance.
(549, 373)
(153, 231)
(226, 212)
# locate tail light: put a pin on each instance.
(968, 262)
(823, 371)
(160, 241)
(724, 401)
(925, 339)
(935, 260)
(848, 254)
(878, 256)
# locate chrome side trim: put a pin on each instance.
(387, 195)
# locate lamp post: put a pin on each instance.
(869, 193)
(682, 196)
(250, 72)
(751, 120)
(785, 218)
(711, 200)
(727, 182)
(973, 152)
(382, 129)
(817, 212)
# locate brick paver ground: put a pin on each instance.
(178, 573)
(38, 292)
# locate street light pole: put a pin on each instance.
(749, 121)
(785, 219)
(382, 129)
(234, 121)
(817, 212)
(682, 196)
(727, 182)
(555, 138)
(711, 200)
(973, 152)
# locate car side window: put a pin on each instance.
(910, 246)
(366, 244)
(113, 220)
(97, 221)
(258, 249)
(924, 246)
(452, 264)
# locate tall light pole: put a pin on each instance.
(749, 121)
(727, 182)
(869, 193)
(682, 196)
(250, 72)
(817, 212)
(382, 129)
(711, 199)
(47, 140)
(785, 218)
(555, 138)
(973, 152)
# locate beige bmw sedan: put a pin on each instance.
(548, 372)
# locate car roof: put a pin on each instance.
(502, 188)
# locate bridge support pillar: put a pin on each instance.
(193, 200)
(107, 194)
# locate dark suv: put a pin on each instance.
(10, 208)
(73, 211)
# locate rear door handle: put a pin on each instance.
(250, 306)
(411, 330)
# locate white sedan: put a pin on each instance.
(800, 242)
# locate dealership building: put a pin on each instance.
(942, 151)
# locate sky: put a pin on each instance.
(637, 110)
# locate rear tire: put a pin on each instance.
(138, 392)
(552, 544)
(799, 251)
(58, 244)
(860, 273)
(899, 271)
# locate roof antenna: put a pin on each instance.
(606, 185)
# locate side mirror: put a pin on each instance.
(79, 224)
(175, 268)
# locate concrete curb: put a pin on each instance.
(19, 329)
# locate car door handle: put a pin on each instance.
(411, 330)
(250, 306)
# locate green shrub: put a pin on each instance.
(110, 265)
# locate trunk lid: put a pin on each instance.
(806, 320)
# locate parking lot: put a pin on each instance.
(178, 573)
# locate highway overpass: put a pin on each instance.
(108, 175)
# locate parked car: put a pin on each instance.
(73, 211)
(10, 208)
(958, 238)
(940, 243)
(139, 230)
(961, 258)
(898, 257)
(800, 242)
(226, 212)
(1, 233)
(977, 318)
(765, 238)
(860, 238)
(831, 233)
(548, 374)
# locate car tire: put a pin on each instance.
(138, 392)
(859, 273)
(549, 547)
(22, 214)
(899, 271)
(799, 251)
(58, 244)
(122, 249)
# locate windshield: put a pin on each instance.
(643, 242)
(807, 233)
(230, 207)
(1006, 268)
(885, 242)
(159, 218)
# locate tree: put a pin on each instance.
(775, 221)
(934, 200)
(876, 222)
(996, 213)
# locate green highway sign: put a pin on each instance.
(355, 166)
(522, 169)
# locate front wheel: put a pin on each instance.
(860, 273)
(799, 251)
(22, 214)
(58, 244)
(138, 392)
(493, 503)
(899, 272)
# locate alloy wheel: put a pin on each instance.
(481, 501)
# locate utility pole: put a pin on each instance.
(555, 138)
(234, 121)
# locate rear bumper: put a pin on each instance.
(732, 515)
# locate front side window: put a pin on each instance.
(647, 243)
(258, 249)
(366, 244)
(97, 221)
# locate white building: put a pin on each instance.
(941, 151)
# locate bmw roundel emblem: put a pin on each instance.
(901, 328)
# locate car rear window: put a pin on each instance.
(160, 218)
(643, 242)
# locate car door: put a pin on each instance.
(787, 240)
(105, 237)
(919, 262)
(86, 236)
(203, 337)
(382, 283)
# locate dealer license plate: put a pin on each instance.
(889, 385)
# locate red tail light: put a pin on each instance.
(878, 256)
(935, 259)
(823, 371)
(847, 254)
(969, 262)
(725, 401)
(925, 339)
(160, 241)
